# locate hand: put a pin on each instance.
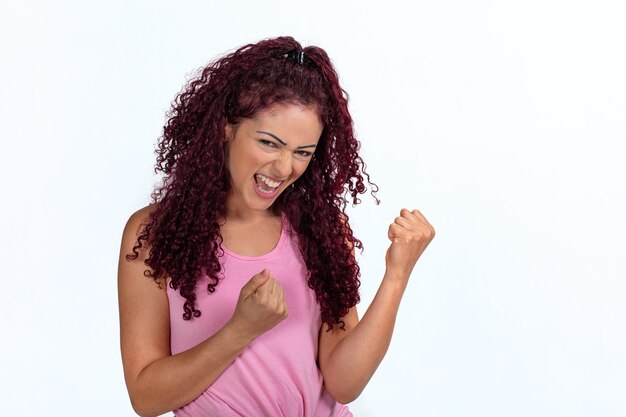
(261, 305)
(410, 234)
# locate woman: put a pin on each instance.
(248, 308)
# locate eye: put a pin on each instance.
(267, 143)
(306, 154)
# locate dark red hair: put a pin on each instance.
(183, 231)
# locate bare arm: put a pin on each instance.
(348, 359)
(157, 381)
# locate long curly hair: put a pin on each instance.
(183, 230)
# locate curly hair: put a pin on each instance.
(183, 232)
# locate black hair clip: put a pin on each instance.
(298, 57)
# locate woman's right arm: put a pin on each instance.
(157, 381)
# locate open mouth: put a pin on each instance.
(266, 185)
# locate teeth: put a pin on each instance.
(267, 181)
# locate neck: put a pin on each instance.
(236, 212)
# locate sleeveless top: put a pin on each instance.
(276, 375)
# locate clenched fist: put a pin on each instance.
(261, 305)
(410, 234)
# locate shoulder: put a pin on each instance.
(136, 223)
(132, 231)
(138, 219)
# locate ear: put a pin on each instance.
(229, 132)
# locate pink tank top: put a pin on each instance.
(277, 374)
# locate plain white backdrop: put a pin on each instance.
(503, 122)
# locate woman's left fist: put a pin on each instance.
(410, 234)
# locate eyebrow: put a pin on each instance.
(283, 142)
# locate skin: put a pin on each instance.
(349, 359)
(159, 382)
(277, 143)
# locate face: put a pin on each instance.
(268, 153)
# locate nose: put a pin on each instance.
(282, 166)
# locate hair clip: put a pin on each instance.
(298, 57)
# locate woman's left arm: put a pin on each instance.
(348, 358)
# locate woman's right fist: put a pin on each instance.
(261, 305)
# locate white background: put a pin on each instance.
(503, 122)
